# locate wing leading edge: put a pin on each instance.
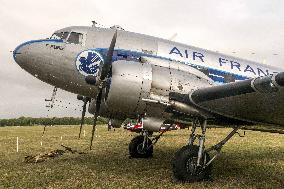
(259, 100)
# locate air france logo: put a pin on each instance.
(88, 62)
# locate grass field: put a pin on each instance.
(255, 161)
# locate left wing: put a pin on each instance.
(259, 100)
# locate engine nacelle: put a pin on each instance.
(133, 86)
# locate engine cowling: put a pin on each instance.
(130, 83)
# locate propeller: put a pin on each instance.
(106, 69)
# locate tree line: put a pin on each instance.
(29, 121)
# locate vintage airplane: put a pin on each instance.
(129, 75)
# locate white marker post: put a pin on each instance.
(84, 133)
(17, 144)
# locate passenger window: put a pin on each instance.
(75, 38)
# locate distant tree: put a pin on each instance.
(29, 121)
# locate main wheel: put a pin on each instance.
(136, 148)
(185, 165)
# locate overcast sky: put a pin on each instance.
(253, 29)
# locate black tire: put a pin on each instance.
(135, 148)
(184, 165)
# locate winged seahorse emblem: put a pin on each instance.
(90, 64)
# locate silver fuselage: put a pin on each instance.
(168, 67)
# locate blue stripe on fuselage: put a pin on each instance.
(215, 74)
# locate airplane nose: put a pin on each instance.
(20, 54)
(27, 56)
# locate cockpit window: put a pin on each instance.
(61, 35)
(65, 35)
(76, 38)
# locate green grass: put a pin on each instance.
(255, 161)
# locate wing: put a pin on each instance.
(259, 100)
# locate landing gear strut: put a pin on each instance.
(192, 163)
(142, 145)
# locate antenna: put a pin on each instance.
(173, 37)
(94, 23)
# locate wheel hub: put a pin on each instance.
(191, 165)
(140, 149)
(192, 168)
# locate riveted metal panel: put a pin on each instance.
(145, 87)
(168, 78)
(184, 82)
(161, 84)
(131, 81)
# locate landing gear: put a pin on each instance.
(185, 165)
(141, 147)
(193, 163)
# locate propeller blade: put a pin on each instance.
(93, 130)
(83, 117)
(107, 65)
(98, 103)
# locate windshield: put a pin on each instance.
(61, 35)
